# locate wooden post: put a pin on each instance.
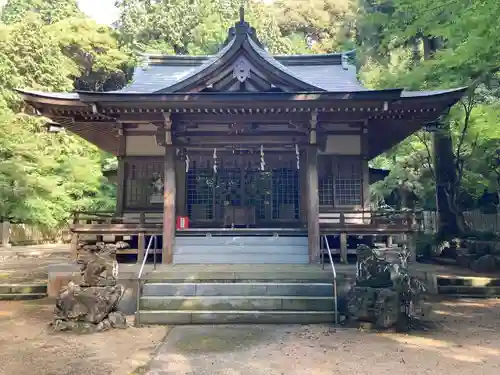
(169, 194)
(313, 194)
(169, 206)
(343, 240)
(5, 234)
(343, 247)
(141, 239)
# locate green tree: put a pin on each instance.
(43, 177)
(438, 46)
(50, 11)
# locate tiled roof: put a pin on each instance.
(329, 76)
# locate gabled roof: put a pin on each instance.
(261, 70)
(245, 81)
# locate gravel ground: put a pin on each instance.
(29, 264)
(466, 341)
(27, 347)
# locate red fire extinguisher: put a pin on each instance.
(182, 222)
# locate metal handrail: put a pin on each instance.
(334, 271)
(152, 240)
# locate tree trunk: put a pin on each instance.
(451, 222)
(450, 219)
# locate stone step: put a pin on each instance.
(21, 296)
(485, 291)
(467, 281)
(238, 289)
(245, 276)
(238, 303)
(22, 288)
(229, 317)
(232, 255)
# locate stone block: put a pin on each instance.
(59, 277)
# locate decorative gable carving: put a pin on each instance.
(241, 70)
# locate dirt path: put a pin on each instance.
(466, 342)
(27, 347)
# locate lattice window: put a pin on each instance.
(325, 190)
(200, 193)
(258, 191)
(285, 194)
(139, 174)
(348, 180)
(325, 180)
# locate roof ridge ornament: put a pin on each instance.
(242, 26)
(242, 14)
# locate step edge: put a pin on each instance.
(306, 298)
(244, 284)
(22, 285)
(267, 312)
(23, 294)
(454, 277)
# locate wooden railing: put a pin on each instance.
(369, 223)
(366, 221)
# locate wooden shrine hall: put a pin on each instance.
(252, 148)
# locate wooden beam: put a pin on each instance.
(244, 139)
(169, 194)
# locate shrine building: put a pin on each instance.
(250, 147)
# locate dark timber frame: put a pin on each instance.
(244, 99)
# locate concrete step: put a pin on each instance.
(468, 281)
(22, 288)
(21, 296)
(476, 291)
(228, 317)
(313, 289)
(237, 303)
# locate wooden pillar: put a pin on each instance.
(313, 194)
(141, 239)
(121, 176)
(343, 241)
(389, 241)
(169, 195)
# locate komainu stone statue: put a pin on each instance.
(385, 294)
(92, 305)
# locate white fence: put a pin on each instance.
(26, 234)
(476, 220)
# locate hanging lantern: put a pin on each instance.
(297, 154)
(262, 161)
(215, 160)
